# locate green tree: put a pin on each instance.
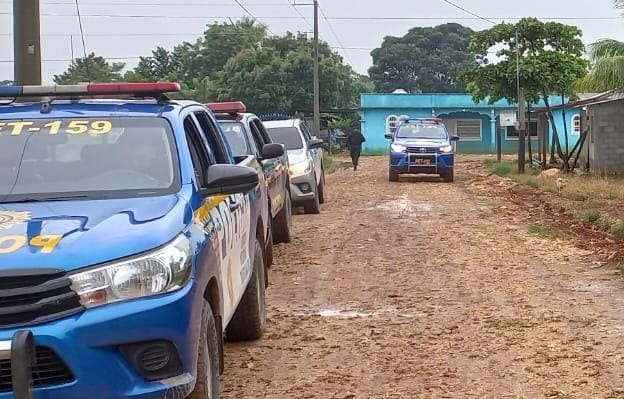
(162, 65)
(607, 64)
(91, 69)
(550, 61)
(278, 77)
(424, 60)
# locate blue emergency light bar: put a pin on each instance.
(93, 89)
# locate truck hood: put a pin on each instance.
(422, 143)
(73, 234)
(296, 156)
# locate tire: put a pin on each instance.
(321, 188)
(282, 225)
(207, 385)
(449, 177)
(268, 258)
(249, 319)
(313, 206)
(393, 175)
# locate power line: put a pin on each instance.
(334, 18)
(169, 4)
(335, 34)
(251, 15)
(70, 60)
(294, 6)
(82, 37)
(469, 12)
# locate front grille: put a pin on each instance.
(35, 296)
(423, 150)
(48, 370)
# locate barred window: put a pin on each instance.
(468, 129)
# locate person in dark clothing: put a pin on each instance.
(354, 144)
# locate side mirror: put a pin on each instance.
(454, 138)
(389, 136)
(316, 143)
(224, 179)
(272, 151)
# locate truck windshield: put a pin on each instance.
(421, 131)
(288, 136)
(111, 157)
(235, 135)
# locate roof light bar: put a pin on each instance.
(90, 89)
(231, 107)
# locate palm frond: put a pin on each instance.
(606, 75)
(606, 48)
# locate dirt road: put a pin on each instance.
(430, 290)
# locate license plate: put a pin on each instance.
(421, 161)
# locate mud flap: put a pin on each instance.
(22, 362)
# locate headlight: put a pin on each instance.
(447, 148)
(398, 148)
(300, 168)
(164, 270)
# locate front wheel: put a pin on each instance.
(282, 226)
(449, 177)
(321, 188)
(207, 384)
(250, 317)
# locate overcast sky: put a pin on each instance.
(121, 30)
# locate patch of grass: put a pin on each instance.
(500, 169)
(604, 224)
(617, 229)
(588, 216)
(619, 269)
(328, 161)
(545, 231)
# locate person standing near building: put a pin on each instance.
(354, 144)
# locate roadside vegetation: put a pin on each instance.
(592, 199)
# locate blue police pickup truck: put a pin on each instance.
(247, 135)
(130, 244)
(421, 145)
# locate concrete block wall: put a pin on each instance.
(608, 132)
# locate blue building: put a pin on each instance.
(475, 123)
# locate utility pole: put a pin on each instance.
(317, 95)
(522, 132)
(521, 112)
(26, 42)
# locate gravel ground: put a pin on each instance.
(424, 289)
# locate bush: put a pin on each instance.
(618, 230)
(588, 216)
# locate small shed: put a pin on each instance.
(602, 117)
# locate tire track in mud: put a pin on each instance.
(421, 290)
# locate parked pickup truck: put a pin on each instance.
(130, 245)
(247, 136)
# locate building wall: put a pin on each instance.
(376, 108)
(606, 141)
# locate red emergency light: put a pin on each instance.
(230, 107)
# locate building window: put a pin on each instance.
(512, 133)
(468, 129)
(576, 125)
(391, 123)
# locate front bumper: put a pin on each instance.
(302, 188)
(425, 163)
(103, 349)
